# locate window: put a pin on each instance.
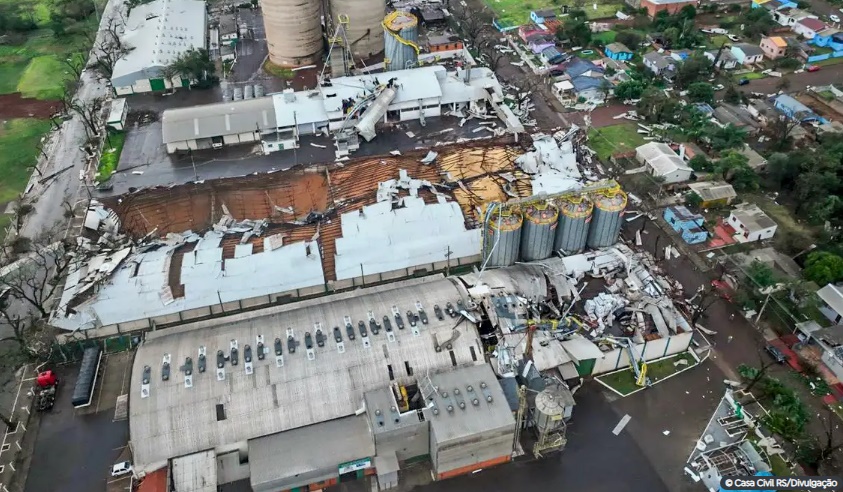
(220, 412)
(408, 368)
(391, 374)
(453, 358)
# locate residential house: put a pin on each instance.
(790, 16)
(672, 6)
(541, 42)
(830, 340)
(774, 47)
(808, 27)
(727, 60)
(552, 56)
(704, 108)
(747, 54)
(680, 55)
(755, 161)
(584, 80)
(690, 150)
(794, 109)
(830, 37)
(437, 44)
(832, 302)
(618, 51)
(751, 224)
(688, 224)
(431, 16)
(540, 16)
(773, 4)
(804, 50)
(737, 116)
(228, 29)
(713, 193)
(762, 110)
(662, 162)
(660, 64)
(524, 32)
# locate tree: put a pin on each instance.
(757, 23)
(629, 89)
(196, 66)
(33, 271)
(782, 170)
(630, 39)
(576, 28)
(108, 50)
(656, 106)
(471, 24)
(761, 275)
(781, 131)
(694, 68)
(823, 267)
(87, 111)
(701, 92)
(728, 137)
(754, 375)
(700, 163)
(693, 199)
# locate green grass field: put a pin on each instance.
(517, 12)
(110, 159)
(604, 38)
(615, 139)
(44, 78)
(624, 381)
(18, 139)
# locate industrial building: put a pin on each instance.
(157, 33)
(339, 104)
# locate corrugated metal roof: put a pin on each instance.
(195, 472)
(158, 32)
(713, 190)
(581, 349)
(275, 461)
(833, 296)
(175, 420)
(215, 120)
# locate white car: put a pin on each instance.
(120, 469)
(834, 18)
(733, 38)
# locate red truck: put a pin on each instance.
(46, 385)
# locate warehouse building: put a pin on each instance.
(157, 33)
(420, 93)
(263, 392)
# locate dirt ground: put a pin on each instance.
(15, 106)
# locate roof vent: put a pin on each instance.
(475, 402)
(456, 391)
(483, 385)
(489, 398)
(444, 394)
(469, 388)
(435, 411)
(450, 408)
(378, 411)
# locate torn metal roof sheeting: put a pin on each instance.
(581, 349)
(195, 472)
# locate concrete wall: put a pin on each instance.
(229, 468)
(471, 452)
(408, 442)
(404, 272)
(654, 349)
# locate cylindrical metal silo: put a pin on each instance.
(248, 92)
(607, 219)
(259, 91)
(401, 30)
(363, 29)
(293, 31)
(502, 238)
(574, 219)
(226, 95)
(539, 231)
(550, 410)
(238, 93)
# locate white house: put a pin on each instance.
(747, 54)
(832, 298)
(751, 224)
(662, 162)
(726, 61)
(157, 33)
(809, 27)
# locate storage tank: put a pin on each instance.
(248, 92)
(574, 219)
(364, 31)
(293, 31)
(259, 92)
(238, 93)
(401, 30)
(607, 218)
(539, 231)
(550, 410)
(226, 95)
(502, 238)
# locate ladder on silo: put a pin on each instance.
(339, 41)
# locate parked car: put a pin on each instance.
(776, 354)
(120, 469)
(743, 81)
(733, 38)
(813, 68)
(834, 18)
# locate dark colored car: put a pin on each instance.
(776, 354)
(743, 81)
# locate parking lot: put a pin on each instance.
(75, 449)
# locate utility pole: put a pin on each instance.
(193, 163)
(764, 306)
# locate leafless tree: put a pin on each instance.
(88, 112)
(707, 298)
(471, 24)
(108, 50)
(76, 63)
(32, 270)
(486, 46)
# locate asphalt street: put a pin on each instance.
(828, 74)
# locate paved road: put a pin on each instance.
(829, 74)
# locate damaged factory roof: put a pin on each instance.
(310, 230)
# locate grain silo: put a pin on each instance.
(293, 31)
(607, 218)
(401, 30)
(539, 231)
(502, 237)
(363, 29)
(574, 219)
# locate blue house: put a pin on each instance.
(552, 56)
(618, 51)
(686, 223)
(829, 38)
(539, 16)
(794, 109)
